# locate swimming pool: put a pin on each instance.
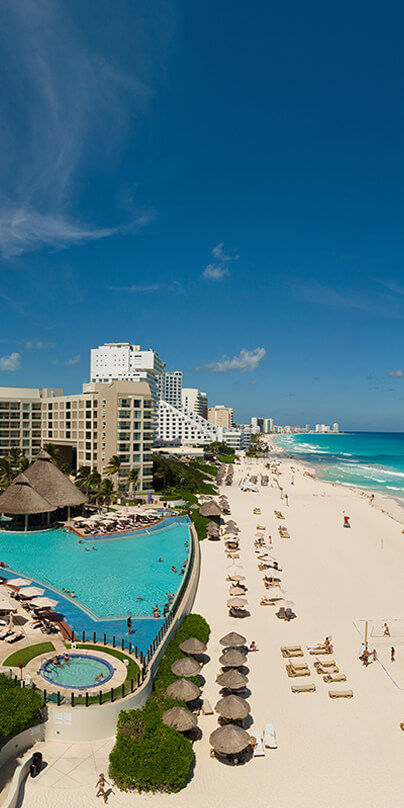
(121, 576)
(79, 671)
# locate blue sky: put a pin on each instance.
(220, 181)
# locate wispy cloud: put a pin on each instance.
(74, 361)
(61, 102)
(398, 374)
(327, 296)
(219, 268)
(11, 362)
(154, 287)
(245, 361)
(39, 345)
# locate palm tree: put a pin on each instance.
(14, 457)
(94, 482)
(132, 479)
(24, 463)
(7, 472)
(107, 490)
(83, 478)
(112, 468)
(65, 468)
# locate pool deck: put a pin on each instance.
(118, 677)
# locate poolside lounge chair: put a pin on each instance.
(18, 635)
(291, 650)
(256, 743)
(309, 688)
(331, 663)
(340, 694)
(269, 737)
(293, 672)
(334, 677)
(328, 669)
(5, 633)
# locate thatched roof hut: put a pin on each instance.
(52, 484)
(22, 498)
(210, 509)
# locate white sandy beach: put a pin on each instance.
(331, 753)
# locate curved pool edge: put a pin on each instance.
(61, 685)
(99, 722)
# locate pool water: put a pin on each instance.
(121, 576)
(81, 671)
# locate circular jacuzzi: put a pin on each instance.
(77, 671)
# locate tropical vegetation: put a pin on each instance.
(148, 756)
(20, 708)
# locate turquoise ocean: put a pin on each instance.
(367, 460)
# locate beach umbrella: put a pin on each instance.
(229, 740)
(183, 689)
(236, 590)
(7, 605)
(17, 582)
(232, 658)
(237, 577)
(179, 718)
(233, 640)
(232, 679)
(233, 707)
(30, 591)
(44, 603)
(239, 603)
(193, 646)
(185, 667)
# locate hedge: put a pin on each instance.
(148, 756)
(20, 708)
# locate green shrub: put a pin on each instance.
(148, 756)
(20, 708)
(200, 523)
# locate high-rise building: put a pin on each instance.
(335, 428)
(195, 401)
(173, 388)
(221, 416)
(122, 361)
(181, 426)
(268, 425)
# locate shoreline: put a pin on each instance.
(391, 506)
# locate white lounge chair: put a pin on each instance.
(6, 631)
(18, 635)
(258, 749)
(270, 736)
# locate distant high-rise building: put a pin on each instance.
(195, 401)
(335, 428)
(173, 388)
(268, 426)
(221, 416)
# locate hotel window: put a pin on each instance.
(25, 406)
(88, 455)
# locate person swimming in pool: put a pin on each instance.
(99, 678)
(66, 659)
(56, 660)
(174, 569)
(159, 559)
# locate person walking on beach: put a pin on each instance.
(101, 782)
(392, 653)
(129, 624)
(386, 630)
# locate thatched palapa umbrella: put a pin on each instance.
(233, 640)
(232, 659)
(237, 590)
(233, 707)
(180, 719)
(229, 740)
(232, 679)
(239, 603)
(52, 484)
(212, 529)
(210, 509)
(183, 689)
(193, 646)
(236, 577)
(185, 667)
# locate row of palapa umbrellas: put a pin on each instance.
(227, 740)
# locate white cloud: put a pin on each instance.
(61, 101)
(39, 345)
(398, 374)
(11, 362)
(74, 361)
(245, 361)
(154, 287)
(220, 267)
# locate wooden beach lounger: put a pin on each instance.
(319, 649)
(291, 651)
(292, 672)
(328, 669)
(340, 694)
(334, 677)
(309, 688)
(298, 666)
(325, 663)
